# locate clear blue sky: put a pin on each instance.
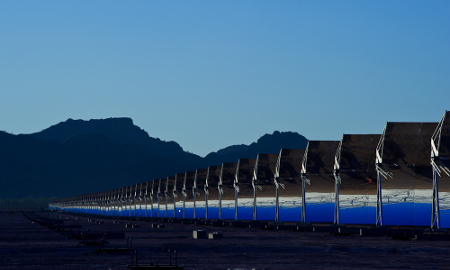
(209, 74)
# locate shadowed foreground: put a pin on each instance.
(27, 245)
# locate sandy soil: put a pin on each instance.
(27, 245)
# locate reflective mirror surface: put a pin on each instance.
(263, 179)
(244, 188)
(187, 195)
(199, 193)
(407, 195)
(212, 184)
(358, 187)
(320, 194)
(289, 182)
(227, 204)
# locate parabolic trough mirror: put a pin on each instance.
(356, 175)
(137, 200)
(198, 191)
(134, 200)
(168, 195)
(146, 199)
(126, 201)
(317, 170)
(161, 211)
(288, 184)
(264, 187)
(153, 189)
(177, 193)
(212, 192)
(227, 191)
(188, 197)
(244, 189)
(405, 174)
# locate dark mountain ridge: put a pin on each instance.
(79, 157)
(118, 130)
(267, 144)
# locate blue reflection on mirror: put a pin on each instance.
(323, 212)
(245, 212)
(213, 212)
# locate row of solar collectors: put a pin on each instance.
(386, 179)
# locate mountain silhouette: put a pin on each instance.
(267, 144)
(118, 130)
(79, 157)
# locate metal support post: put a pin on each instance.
(435, 216)
(277, 204)
(206, 201)
(174, 205)
(158, 195)
(303, 219)
(151, 205)
(236, 192)
(193, 193)
(184, 204)
(167, 195)
(254, 201)
(379, 220)
(220, 201)
(336, 199)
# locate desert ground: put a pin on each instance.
(27, 243)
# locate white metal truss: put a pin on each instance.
(174, 193)
(206, 190)
(141, 198)
(108, 202)
(151, 198)
(305, 180)
(236, 190)
(438, 168)
(158, 196)
(184, 195)
(337, 182)
(146, 198)
(130, 198)
(195, 192)
(220, 189)
(278, 183)
(255, 185)
(135, 199)
(126, 201)
(152, 205)
(382, 171)
(166, 194)
(121, 201)
(117, 201)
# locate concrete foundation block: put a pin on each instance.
(215, 235)
(199, 234)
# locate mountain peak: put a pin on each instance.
(114, 128)
(119, 130)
